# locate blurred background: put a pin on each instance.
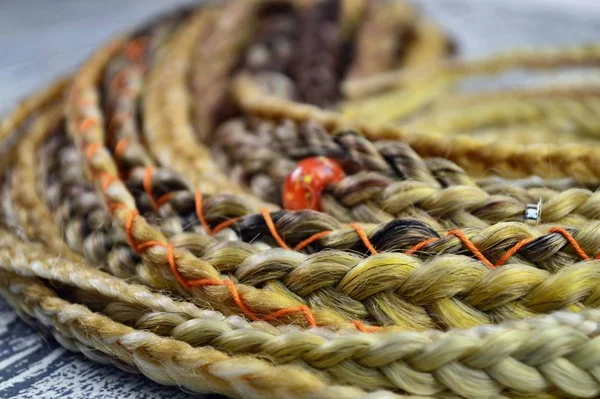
(43, 39)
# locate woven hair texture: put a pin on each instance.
(144, 220)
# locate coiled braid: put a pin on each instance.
(149, 197)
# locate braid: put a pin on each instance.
(575, 160)
(580, 56)
(572, 111)
(193, 329)
(95, 335)
(384, 22)
(151, 199)
(261, 155)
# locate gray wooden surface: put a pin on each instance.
(43, 39)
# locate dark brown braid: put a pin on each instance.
(316, 70)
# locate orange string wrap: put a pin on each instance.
(302, 244)
(200, 212)
(164, 199)
(120, 148)
(471, 247)
(147, 183)
(571, 241)
(310, 319)
(91, 150)
(366, 329)
(107, 179)
(271, 226)
(421, 245)
(235, 295)
(87, 124)
(173, 266)
(134, 50)
(131, 215)
(513, 250)
(114, 206)
(224, 225)
(363, 237)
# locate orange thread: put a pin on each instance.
(471, 247)
(224, 225)
(147, 183)
(571, 241)
(121, 147)
(113, 207)
(421, 245)
(301, 245)
(235, 295)
(310, 319)
(170, 259)
(133, 213)
(362, 328)
(363, 236)
(237, 299)
(91, 150)
(188, 284)
(86, 124)
(164, 199)
(119, 151)
(135, 49)
(148, 244)
(173, 266)
(200, 212)
(271, 225)
(513, 250)
(106, 179)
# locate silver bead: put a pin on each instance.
(533, 212)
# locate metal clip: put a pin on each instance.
(533, 213)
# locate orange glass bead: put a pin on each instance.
(303, 187)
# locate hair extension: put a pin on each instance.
(10, 134)
(216, 54)
(576, 161)
(384, 36)
(573, 110)
(166, 361)
(182, 154)
(86, 224)
(315, 70)
(581, 56)
(545, 330)
(123, 215)
(270, 54)
(153, 208)
(28, 206)
(262, 154)
(429, 45)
